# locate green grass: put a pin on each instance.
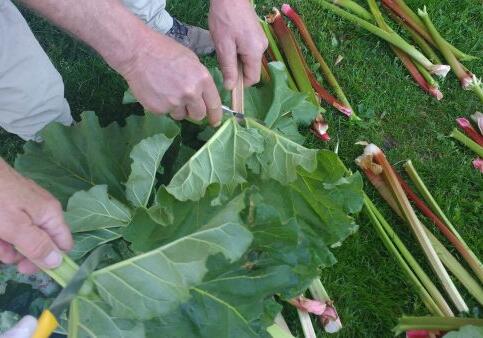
(366, 284)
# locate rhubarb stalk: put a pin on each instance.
(304, 78)
(272, 44)
(467, 253)
(306, 324)
(420, 41)
(410, 216)
(373, 171)
(459, 136)
(298, 67)
(452, 264)
(467, 79)
(355, 8)
(472, 261)
(329, 319)
(329, 76)
(471, 132)
(393, 38)
(400, 8)
(405, 59)
(423, 285)
(434, 324)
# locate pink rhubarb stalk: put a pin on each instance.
(405, 59)
(344, 107)
(411, 20)
(478, 164)
(467, 79)
(319, 128)
(471, 132)
(309, 305)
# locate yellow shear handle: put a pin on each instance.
(46, 325)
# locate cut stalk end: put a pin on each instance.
(434, 91)
(440, 70)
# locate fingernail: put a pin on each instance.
(217, 124)
(53, 259)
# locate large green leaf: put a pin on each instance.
(95, 209)
(224, 158)
(170, 219)
(146, 157)
(84, 155)
(90, 318)
(332, 196)
(221, 160)
(279, 107)
(157, 282)
(281, 157)
(85, 242)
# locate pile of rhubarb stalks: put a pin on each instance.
(447, 307)
(423, 64)
(442, 298)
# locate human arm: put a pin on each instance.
(32, 227)
(163, 75)
(238, 35)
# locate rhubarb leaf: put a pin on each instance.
(90, 318)
(281, 157)
(221, 160)
(279, 107)
(74, 158)
(85, 242)
(146, 157)
(94, 210)
(157, 282)
(468, 331)
(170, 219)
(331, 196)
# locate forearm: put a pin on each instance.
(107, 26)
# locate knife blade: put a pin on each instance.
(231, 112)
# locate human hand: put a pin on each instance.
(25, 328)
(167, 77)
(32, 227)
(237, 34)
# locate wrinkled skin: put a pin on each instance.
(32, 227)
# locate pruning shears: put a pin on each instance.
(50, 318)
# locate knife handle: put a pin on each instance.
(46, 325)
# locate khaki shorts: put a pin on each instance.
(31, 89)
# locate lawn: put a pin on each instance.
(366, 284)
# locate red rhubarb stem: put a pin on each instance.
(344, 106)
(419, 203)
(323, 94)
(471, 132)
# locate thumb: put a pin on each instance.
(23, 329)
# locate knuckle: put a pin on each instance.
(37, 249)
(53, 206)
